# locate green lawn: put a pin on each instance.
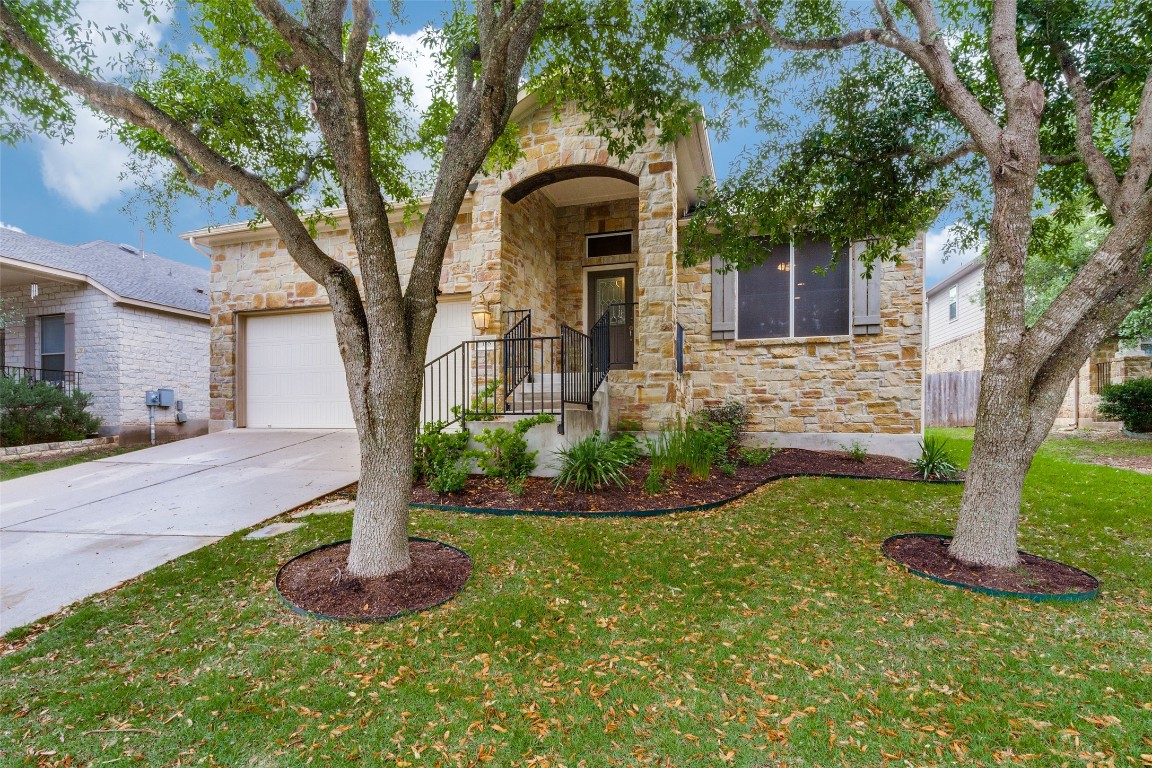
(10, 470)
(770, 632)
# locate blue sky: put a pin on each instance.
(74, 192)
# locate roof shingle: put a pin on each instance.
(119, 269)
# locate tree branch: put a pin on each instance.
(1140, 150)
(306, 46)
(1004, 54)
(1100, 171)
(303, 179)
(363, 17)
(123, 104)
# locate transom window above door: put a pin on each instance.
(608, 244)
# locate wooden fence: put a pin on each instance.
(950, 398)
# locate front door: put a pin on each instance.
(611, 296)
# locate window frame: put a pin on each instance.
(588, 238)
(63, 353)
(954, 303)
(848, 253)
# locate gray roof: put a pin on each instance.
(120, 269)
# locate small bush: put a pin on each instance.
(450, 477)
(482, 407)
(936, 460)
(726, 422)
(594, 462)
(1130, 402)
(437, 450)
(38, 412)
(654, 482)
(755, 457)
(508, 456)
(856, 451)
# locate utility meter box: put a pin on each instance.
(167, 397)
(151, 397)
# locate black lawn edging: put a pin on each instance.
(372, 619)
(640, 513)
(1036, 597)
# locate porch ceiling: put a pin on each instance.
(20, 276)
(589, 190)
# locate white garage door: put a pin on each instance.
(294, 374)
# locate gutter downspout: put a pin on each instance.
(200, 248)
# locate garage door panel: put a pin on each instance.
(294, 377)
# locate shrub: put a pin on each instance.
(755, 457)
(38, 412)
(508, 456)
(437, 449)
(1130, 402)
(449, 477)
(654, 482)
(483, 405)
(936, 460)
(594, 462)
(856, 451)
(726, 422)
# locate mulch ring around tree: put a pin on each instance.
(542, 496)
(317, 584)
(1035, 578)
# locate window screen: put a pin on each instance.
(614, 244)
(764, 295)
(52, 342)
(953, 302)
(821, 299)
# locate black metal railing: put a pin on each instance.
(518, 349)
(575, 367)
(521, 374)
(69, 381)
(470, 382)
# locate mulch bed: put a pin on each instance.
(541, 494)
(1034, 576)
(317, 582)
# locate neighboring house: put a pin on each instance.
(954, 357)
(562, 283)
(107, 320)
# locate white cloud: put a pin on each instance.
(86, 171)
(9, 226)
(943, 256)
(417, 65)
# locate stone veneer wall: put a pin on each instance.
(963, 354)
(528, 261)
(551, 141)
(573, 224)
(848, 387)
(257, 274)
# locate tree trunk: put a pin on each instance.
(387, 432)
(990, 508)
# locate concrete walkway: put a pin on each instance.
(76, 531)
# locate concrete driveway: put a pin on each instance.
(73, 532)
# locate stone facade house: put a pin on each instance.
(109, 321)
(562, 292)
(954, 357)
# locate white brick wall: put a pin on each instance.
(97, 339)
(160, 350)
(120, 351)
